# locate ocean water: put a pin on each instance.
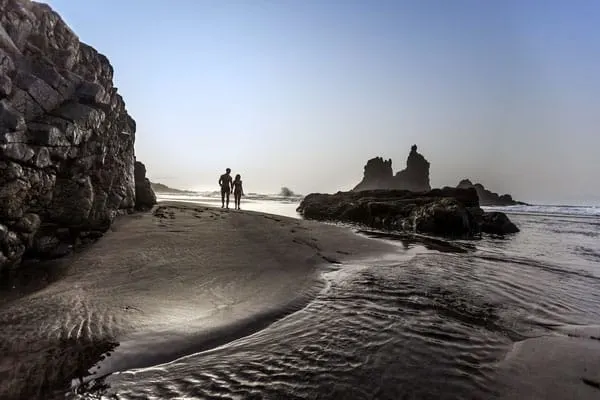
(439, 322)
(583, 211)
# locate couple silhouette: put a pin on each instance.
(227, 186)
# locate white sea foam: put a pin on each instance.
(591, 211)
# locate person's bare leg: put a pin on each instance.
(227, 195)
(222, 199)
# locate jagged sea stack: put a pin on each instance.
(415, 177)
(378, 174)
(66, 139)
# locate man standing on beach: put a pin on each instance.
(225, 182)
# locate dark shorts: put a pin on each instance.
(225, 190)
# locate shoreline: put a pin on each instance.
(181, 279)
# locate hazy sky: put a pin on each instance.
(301, 93)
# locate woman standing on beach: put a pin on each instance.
(238, 191)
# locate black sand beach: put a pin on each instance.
(198, 302)
(161, 285)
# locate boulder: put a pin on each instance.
(144, 194)
(445, 217)
(66, 139)
(378, 174)
(448, 212)
(497, 223)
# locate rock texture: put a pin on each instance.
(445, 212)
(488, 198)
(378, 174)
(66, 139)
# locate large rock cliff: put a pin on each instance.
(378, 174)
(66, 139)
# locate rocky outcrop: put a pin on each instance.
(378, 174)
(488, 198)
(446, 212)
(66, 139)
(145, 198)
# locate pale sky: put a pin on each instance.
(302, 93)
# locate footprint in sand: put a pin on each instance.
(329, 259)
(272, 218)
(306, 243)
(591, 383)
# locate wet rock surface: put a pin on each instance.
(66, 139)
(445, 212)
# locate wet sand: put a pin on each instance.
(554, 367)
(161, 285)
(188, 278)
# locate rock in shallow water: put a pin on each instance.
(446, 212)
(497, 223)
(66, 139)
